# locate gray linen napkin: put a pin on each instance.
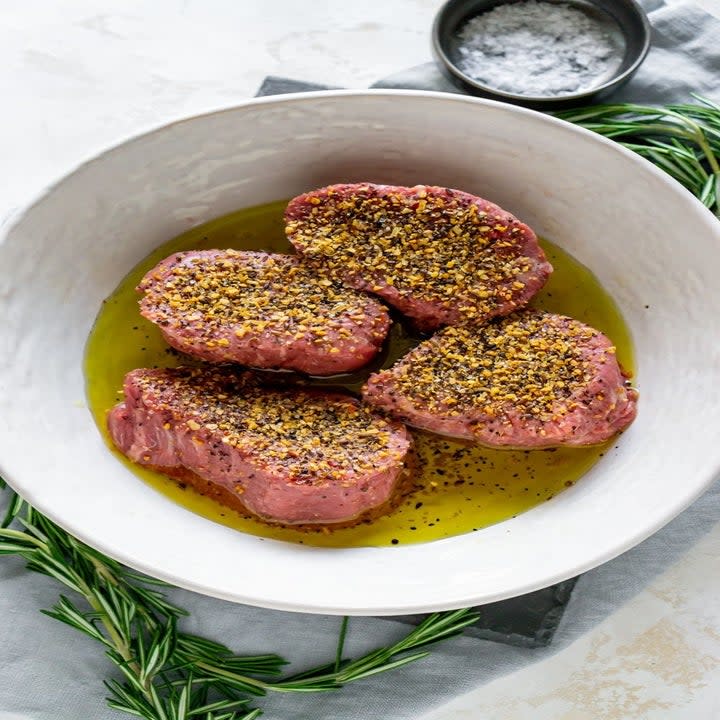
(50, 672)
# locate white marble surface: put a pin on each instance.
(79, 76)
(658, 657)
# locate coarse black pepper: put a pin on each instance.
(305, 434)
(528, 361)
(430, 245)
(252, 293)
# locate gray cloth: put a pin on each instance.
(50, 672)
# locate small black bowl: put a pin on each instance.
(622, 18)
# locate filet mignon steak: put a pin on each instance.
(263, 310)
(440, 256)
(291, 456)
(533, 379)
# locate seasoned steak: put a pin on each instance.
(262, 310)
(290, 456)
(440, 256)
(530, 380)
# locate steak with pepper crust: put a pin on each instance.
(440, 256)
(533, 379)
(290, 456)
(263, 310)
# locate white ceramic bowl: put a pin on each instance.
(651, 244)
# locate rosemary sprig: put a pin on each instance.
(683, 139)
(165, 673)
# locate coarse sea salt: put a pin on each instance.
(538, 49)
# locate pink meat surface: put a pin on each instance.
(290, 456)
(262, 310)
(530, 380)
(440, 256)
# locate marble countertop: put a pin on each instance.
(80, 76)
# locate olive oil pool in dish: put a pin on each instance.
(464, 487)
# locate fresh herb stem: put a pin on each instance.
(341, 642)
(682, 139)
(166, 674)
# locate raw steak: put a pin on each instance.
(262, 310)
(290, 456)
(441, 256)
(532, 379)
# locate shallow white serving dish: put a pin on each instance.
(652, 245)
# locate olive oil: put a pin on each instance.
(463, 487)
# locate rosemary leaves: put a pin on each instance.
(683, 140)
(164, 673)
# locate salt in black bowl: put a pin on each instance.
(623, 21)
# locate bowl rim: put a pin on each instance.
(438, 47)
(592, 560)
(18, 211)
